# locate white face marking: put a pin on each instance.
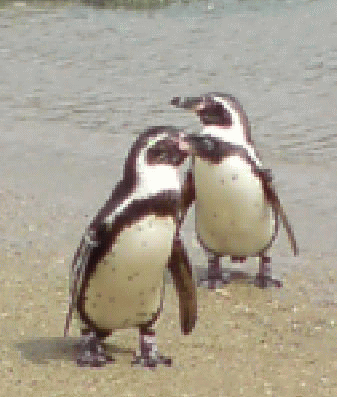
(234, 134)
(156, 178)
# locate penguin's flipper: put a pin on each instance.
(78, 269)
(181, 272)
(188, 195)
(273, 198)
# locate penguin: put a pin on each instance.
(117, 274)
(237, 209)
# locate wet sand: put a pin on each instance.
(75, 87)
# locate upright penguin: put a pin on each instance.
(118, 269)
(237, 208)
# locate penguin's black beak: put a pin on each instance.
(190, 103)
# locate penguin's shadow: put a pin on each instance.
(44, 349)
(233, 275)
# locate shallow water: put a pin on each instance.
(77, 83)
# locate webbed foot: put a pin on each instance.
(211, 279)
(214, 276)
(91, 352)
(149, 356)
(151, 362)
(263, 278)
(263, 281)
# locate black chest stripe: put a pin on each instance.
(214, 150)
(163, 204)
(105, 235)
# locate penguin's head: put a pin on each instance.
(155, 158)
(222, 111)
(168, 148)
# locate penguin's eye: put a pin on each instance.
(157, 155)
(162, 156)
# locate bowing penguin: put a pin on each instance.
(237, 209)
(117, 274)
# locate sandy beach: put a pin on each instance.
(76, 85)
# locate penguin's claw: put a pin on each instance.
(263, 281)
(151, 362)
(213, 278)
(263, 278)
(94, 361)
(148, 356)
(91, 353)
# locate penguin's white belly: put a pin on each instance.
(232, 215)
(127, 286)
